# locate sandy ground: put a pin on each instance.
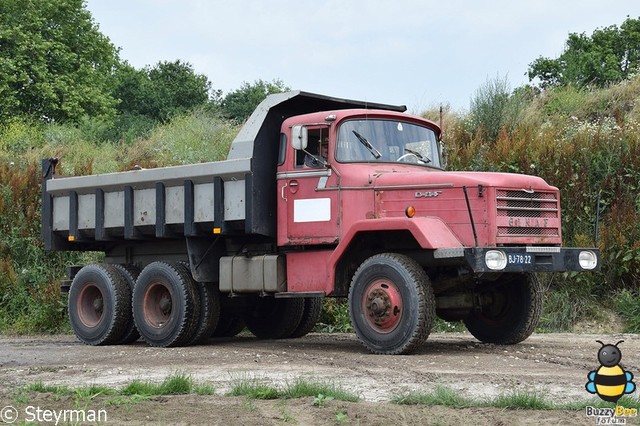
(553, 365)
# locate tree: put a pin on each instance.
(239, 104)
(160, 92)
(55, 64)
(608, 56)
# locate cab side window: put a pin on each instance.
(282, 149)
(315, 137)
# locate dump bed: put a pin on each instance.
(236, 195)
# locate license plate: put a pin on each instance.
(519, 259)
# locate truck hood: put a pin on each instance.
(412, 178)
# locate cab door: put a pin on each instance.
(308, 208)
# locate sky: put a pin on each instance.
(418, 53)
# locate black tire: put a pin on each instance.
(513, 314)
(209, 296)
(166, 306)
(228, 326)
(271, 318)
(310, 316)
(99, 305)
(130, 274)
(391, 304)
(230, 322)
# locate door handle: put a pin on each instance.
(293, 186)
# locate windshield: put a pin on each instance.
(386, 141)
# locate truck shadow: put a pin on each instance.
(336, 343)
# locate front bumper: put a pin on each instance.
(522, 259)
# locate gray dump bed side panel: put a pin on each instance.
(147, 178)
(137, 200)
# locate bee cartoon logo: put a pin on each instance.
(610, 381)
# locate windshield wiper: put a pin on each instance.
(366, 143)
(422, 158)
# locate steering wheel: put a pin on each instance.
(407, 155)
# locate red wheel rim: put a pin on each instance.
(157, 305)
(382, 305)
(90, 305)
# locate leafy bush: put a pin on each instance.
(334, 317)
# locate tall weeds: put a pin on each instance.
(30, 299)
(585, 142)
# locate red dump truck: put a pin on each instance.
(258, 240)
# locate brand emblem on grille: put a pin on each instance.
(528, 222)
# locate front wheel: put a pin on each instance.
(513, 311)
(391, 304)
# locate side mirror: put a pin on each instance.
(299, 137)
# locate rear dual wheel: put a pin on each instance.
(130, 274)
(273, 318)
(310, 316)
(100, 305)
(166, 305)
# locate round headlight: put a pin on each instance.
(587, 259)
(495, 259)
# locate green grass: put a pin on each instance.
(253, 388)
(176, 384)
(440, 396)
(301, 388)
(625, 401)
(522, 401)
(517, 400)
(135, 391)
(256, 389)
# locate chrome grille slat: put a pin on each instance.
(536, 209)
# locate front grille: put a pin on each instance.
(527, 213)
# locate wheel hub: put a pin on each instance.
(157, 304)
(165, 304)
(382, 304)
(90, 305)
(379, 306)
(97, 304)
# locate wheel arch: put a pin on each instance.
(363, 245)
(401, 235)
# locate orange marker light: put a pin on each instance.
(71, 238)
(410, 211)
(217, 230)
